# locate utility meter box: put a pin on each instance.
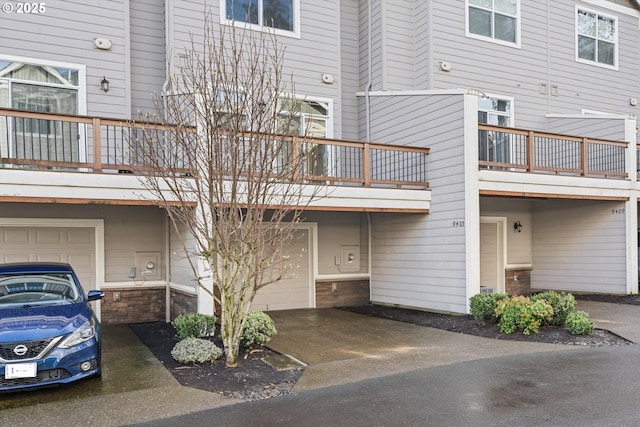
(148, 265)
(349, 259)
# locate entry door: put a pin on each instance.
(492, 262)
(296, 289)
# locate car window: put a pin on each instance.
(37, 289)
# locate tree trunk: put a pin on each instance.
(231, 329)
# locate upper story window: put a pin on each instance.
(597, 38)
(494, 20)
(283, 16)
(36, 87)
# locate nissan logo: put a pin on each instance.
(20, 350)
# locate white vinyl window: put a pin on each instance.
(495, 146)
(280, 16)
(312, 118)
(494, 20)
(596, 38)
(42, 86)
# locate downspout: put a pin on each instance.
(168, 49)
(127, 59)
(168, 43)
(383, 43)
(369, 251)
(369, 77)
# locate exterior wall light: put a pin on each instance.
(104, 84)
(517, 226)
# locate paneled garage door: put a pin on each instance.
(73, 245)
(294, 291)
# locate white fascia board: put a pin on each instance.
(591, 116)
(23, 183)
(551, 184)
(42, 184)
(372, 198)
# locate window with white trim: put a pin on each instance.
(596, 38)
(312, 118)
(494, 20)
(495, 146)
(44, 87)
(282, 16)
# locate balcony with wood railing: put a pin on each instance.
(519, 150)
(58, 142)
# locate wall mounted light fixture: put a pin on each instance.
(517, 226)
(104, 84)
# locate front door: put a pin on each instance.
(492, 254)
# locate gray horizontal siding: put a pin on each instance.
(147, 54)
(603, 128)
(419, 260)
(347, 121)
(579, 246)
(317, 51)
(127, 230)
(65, 33)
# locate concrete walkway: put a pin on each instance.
(340, 348)
(621, 319)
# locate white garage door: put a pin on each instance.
(295, 290)
(73, 245)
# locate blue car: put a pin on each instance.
(48, 332)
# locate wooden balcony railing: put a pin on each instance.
(510, 149)
(43, 141)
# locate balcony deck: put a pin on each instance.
(365, 176)
(544, 164)
(511, 149)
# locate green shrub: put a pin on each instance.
(578, 323)
(562, 303)
(258, 329)
(196, 350)
(483, 306)
(194, 325)
(520, 313)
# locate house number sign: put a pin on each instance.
(457, 224)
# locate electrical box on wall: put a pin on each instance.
(148, 265)
(349, 259)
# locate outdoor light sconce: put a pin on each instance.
(517, 226)
(104, 84)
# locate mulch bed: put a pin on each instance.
(253, 379)
(466, 324)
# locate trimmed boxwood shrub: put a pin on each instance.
(579, 323)
(483, 306)
(562, 303)
(196, 350)
(195, 325)
(258, 329)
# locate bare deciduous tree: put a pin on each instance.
(225, 160)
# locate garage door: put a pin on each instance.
(295, 290)
(73, 245)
